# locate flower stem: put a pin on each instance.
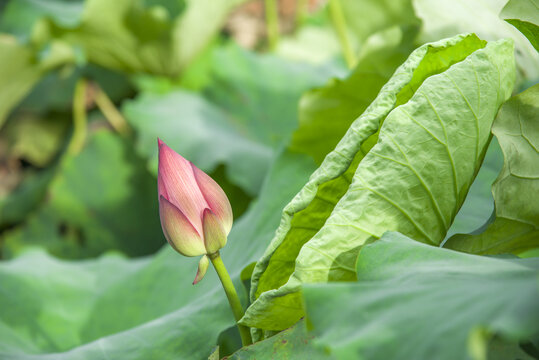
(337, 16)
(232, 296)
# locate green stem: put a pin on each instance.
(272, 23)
(339, 21)
(232, 296)
(79, 118)
(113, 116)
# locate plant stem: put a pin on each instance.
(339, 21)
(79, 118)
(113, 116)
(272, 23)
(232, 296)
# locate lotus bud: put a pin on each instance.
(195, 213)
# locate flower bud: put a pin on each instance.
(195, 213)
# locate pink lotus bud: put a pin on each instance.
(196, 216)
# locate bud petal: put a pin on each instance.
(216, 199)
(214, 233)
(177, 183)
(161, 189)
(179, 231)
(202, 268)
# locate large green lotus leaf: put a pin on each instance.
(443, 18)
(116, 308)
(414, 301)
(326, 113)
(102, 198)
(479, 204)
(291, 344)
(524, 15)
(247, 112)
(261, 92)
(19, 72)
(410, 174)
(156, 37)
(342, 101)
(516, 227)
(497, 237)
